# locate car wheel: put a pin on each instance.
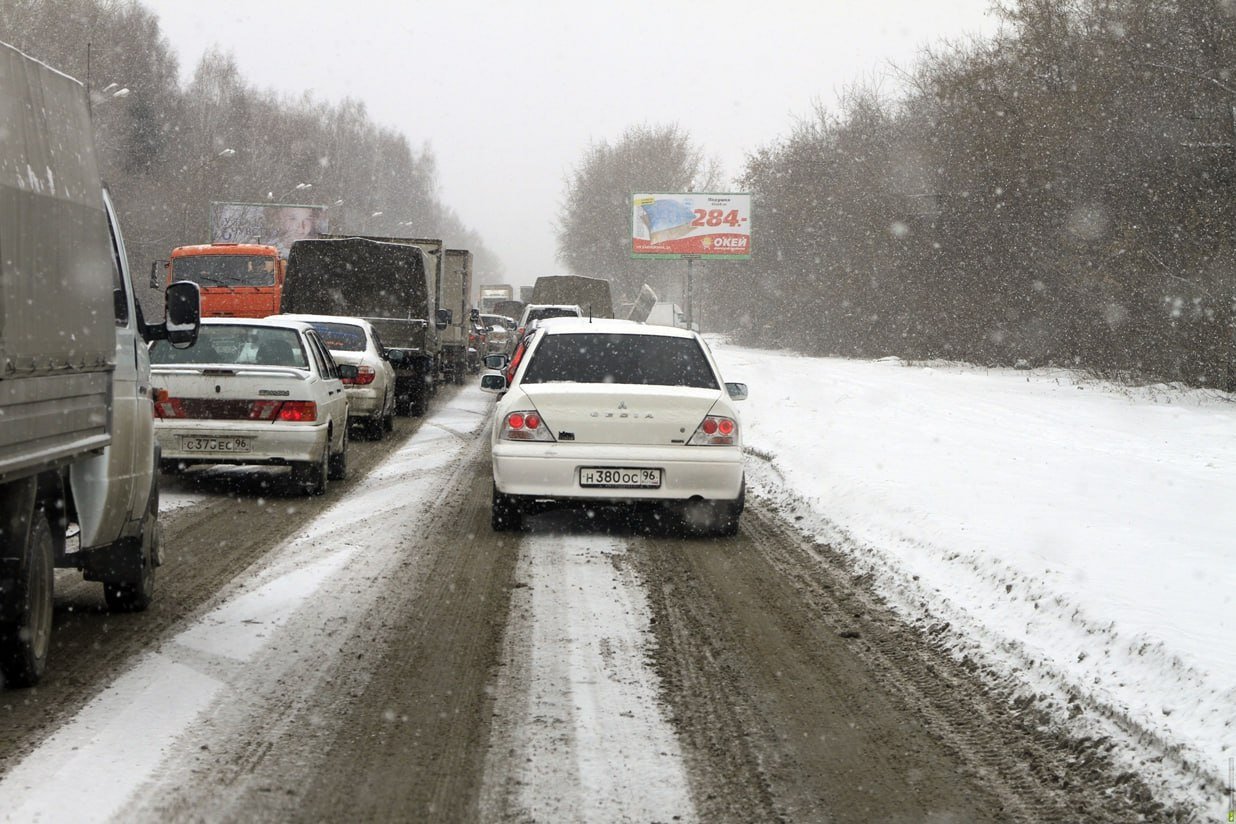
(312, 476)
(388, 420)
(339, 461)
(375, 427)
(505, 514)
(728, 513)
(133, 589)
(26, 624)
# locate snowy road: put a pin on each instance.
(380, 654)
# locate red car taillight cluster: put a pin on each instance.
(212, 409)
(525, 425)
(715, 430)
(364, 376)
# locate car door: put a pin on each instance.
(332, 385)
(384, 365)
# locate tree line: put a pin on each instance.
(167, 151)
(1061, 193)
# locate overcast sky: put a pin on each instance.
(509, 93)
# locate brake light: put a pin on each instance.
(715, 430)
(168, 407)
(298, 411)
(525, 425)
(364, 376)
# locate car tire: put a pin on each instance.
(26, 623)
(728, 513)
(375, 428)
(312, 476)
(134, 589)
(338, 469)
(505, 513)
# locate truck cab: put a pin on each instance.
(237, 280)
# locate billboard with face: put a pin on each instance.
(276, 224)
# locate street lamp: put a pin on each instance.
(299, 187)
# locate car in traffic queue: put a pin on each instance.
(253, 391)
(499, 334)
(616, 412)
(371, 394)
(534, 313)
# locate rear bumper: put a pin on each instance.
(553, 470)
(270, 443)
(364, 402)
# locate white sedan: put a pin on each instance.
(610, 411)
(253, 392)
(371, 394)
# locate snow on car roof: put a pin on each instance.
(321, 319)
(287, 323)
(609, 326)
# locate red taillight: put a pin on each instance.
(169, 407)
(298, 411)
(364, 376)
(264, 410)
(525, 425)
(715, 430)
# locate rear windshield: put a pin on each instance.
(653, 360)
(341, 337)
(551, 312)
(240, 345)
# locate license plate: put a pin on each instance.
(201, 443)
(620, 478)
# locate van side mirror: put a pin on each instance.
(156, 280)
(493, 383)
(737, 391)
(182, 316)
(443, 318)
(475, 314)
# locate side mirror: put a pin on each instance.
(183, 313)
(348, 372)
(155, 280)
(738, 391)
(397, 357)
(494, 384)
(443, 318)
(475, 314)
(496, 361)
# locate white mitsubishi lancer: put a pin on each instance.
(611, 411)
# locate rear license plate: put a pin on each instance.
(198, 443)
(620, 478)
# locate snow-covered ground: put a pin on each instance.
(1075, 536)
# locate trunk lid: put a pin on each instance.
(621, 414)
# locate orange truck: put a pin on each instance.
(237, 280)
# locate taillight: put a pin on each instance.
(168, 407)
(715, 430)
(364, 376)
(525, 425)
(298, 411)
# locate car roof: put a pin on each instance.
(322, 319)
(273, 322)
(608, 326)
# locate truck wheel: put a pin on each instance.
(505, 514)
(313, 475)
(339, 462)
(25, 631)
(134, 589)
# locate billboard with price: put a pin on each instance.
(691, 224)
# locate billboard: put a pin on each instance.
(277, 224)
(692, 224)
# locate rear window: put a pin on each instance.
(551, 312)
(238, 345)
(341, 337)
(653, 360)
